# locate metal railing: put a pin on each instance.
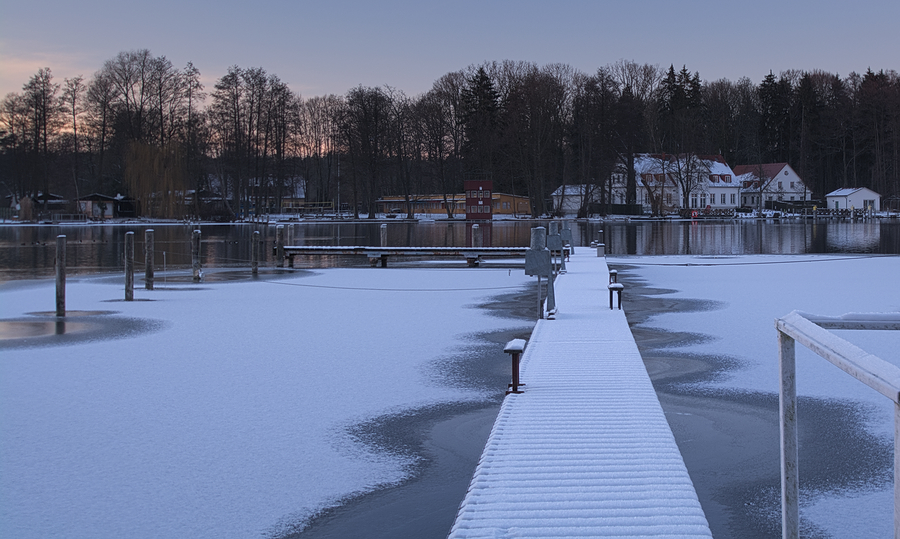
(812, 332)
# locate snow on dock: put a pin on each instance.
(585, 450)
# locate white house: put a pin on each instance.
(568, 199)
(770, 182)
(660, 179)
(860, 198)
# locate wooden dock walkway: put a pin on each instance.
(585, 450)
(378, 255)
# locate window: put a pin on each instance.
(714, 178)
(703, 200)
(779, 186)
(722, 198)
(726, 178)
(694, 201)
(669, 198)
(734, 197)
(792, 186)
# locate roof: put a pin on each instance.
(571, 190)
(769, 169)
(653, 163)
(848, 191)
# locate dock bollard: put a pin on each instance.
(129, 266)
(515, 348)
(601, 250)
(613, 276)
(615, 288)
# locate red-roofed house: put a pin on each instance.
(769, 182)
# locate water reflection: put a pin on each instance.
(28, 251)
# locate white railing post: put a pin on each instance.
(790, 482)
(812, 332)
(896, 470)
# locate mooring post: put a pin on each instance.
(896, 469)
(476, 236)
(601, 250)
(129, 266)
(613, 276)
(195, 256)
(383, 234)
(148, 259)
(254, 252)
(615, 288)
(515, 348)
(60, 275)
(279, 246)
(787, 404)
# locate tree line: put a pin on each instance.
(147, 129)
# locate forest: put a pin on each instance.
(145, 129)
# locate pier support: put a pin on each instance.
(279, 246)
(129, 266)
(254, 253)
(195, 256)
(60, 275)
(148, 259)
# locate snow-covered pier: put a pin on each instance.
(585, 450)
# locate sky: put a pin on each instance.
(330, 47)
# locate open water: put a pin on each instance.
(28, 251)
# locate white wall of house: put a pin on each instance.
(854, 198)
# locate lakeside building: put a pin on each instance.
(669, 183)
(765, 183)
(856, 198)
(501, 204)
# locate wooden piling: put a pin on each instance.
(195, 255)
(129, 266)
(60, 275)
(148, 259)
(279, 246)
(254, 253)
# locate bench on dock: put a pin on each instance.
(473, 255)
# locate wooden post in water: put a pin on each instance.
(477, 240)
(148, 259)
(384, 235)
(195, 255)
(60, 275)
(279, 246)
(129, 266)
(254, 253)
